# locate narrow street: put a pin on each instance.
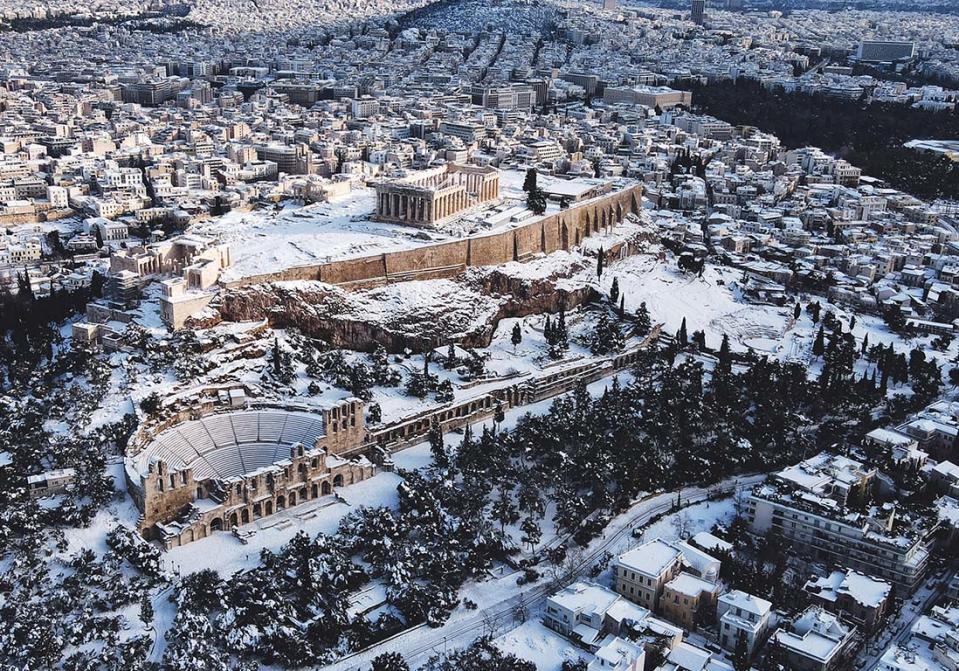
(920, 602)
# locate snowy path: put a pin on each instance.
(927, 595)
(465, 626)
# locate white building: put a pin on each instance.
(742, 615)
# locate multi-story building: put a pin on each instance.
(642, 573)
(687, 598)
(742, 616)
(698, 11)
(507, 97)
(816, 641)
(650, 96)
(874, 51)
(862, 599)
(822, 507)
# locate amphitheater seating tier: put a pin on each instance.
(233, 444)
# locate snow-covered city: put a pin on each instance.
(533, 335)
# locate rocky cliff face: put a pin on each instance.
(425, 314)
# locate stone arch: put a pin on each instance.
(268, 508)
(189, 537)
(338, 480)
(280, 502)
(314, 491)
(302, 493)
(257, 511)
(245, 516)
(233, 520)
(292, 499)
(326, 487)
(216, 524)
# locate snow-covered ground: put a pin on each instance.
(709, 303)
(541, 645)
(226, 554)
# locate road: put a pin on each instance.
(463, 627)
(933, 589)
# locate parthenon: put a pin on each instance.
(427, 197)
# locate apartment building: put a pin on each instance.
(819, 506)
(860, 598)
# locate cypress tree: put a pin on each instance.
(819, 346)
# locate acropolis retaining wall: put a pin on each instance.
(563, 230)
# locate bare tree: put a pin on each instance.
(682, 524)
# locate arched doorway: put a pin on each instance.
(326, 487)
(233, 520)
(245, 516)
(216, 524)
(257, 511)
(280, 502)
(269, 507)
(292, 499)
(338, 481)
(314, 491)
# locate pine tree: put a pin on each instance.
(797, 310)
(503, 510)
(389, 661)
(498, 415)
(146, 610)
(444, 392)
(606, 337)
(614, 291)
(621, 313)
(531, 533)
(517, 336)
(643, 322)
(600, 259)
(682, 339)
(374, 413)
(865, 343)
